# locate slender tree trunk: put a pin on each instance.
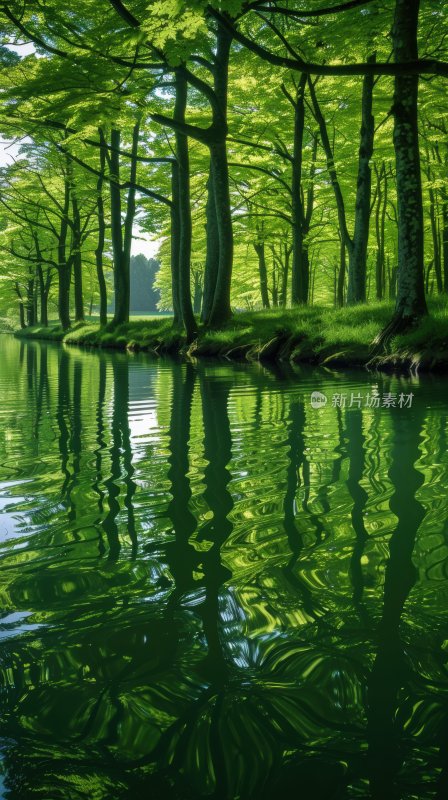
(116, 230)
(44, 285)
(357, 266)
(285, 276)
(306, 224)
(122, 240)
(341, 275)
(383, 231)
(299, 283)
(183, 161)
(43, 296)
(197, 292)
(64, 276)
(21, 306)
(346, 241)
(410, 301)
(30, 302)
(35, 298)
(48, 282)
(212, 251)
(175, 244)
(435, 241)
(64, 264)
(221, 310)
(129, 224)
(306, 273)
(259, 248)
(379, 230)
(356, 247)
(99, 250)
(77, 260)
(275, 277)
(443, 194)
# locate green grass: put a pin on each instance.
(338, 337)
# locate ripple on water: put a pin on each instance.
(206, 585)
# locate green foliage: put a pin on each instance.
(95, 70)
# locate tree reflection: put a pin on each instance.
(181, 555)
(100, 449)
(390, 671)
(224, 658)
(297, 459)
(62, 417)
(121, 467)
(356, 455)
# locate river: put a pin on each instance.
(213, 586)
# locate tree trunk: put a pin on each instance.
(285, 275)
(435, 241)
(275, 278)
(346, 241)
(116, 231)
(101, 234)
(128, 226)
(259, 248)
(175, 244)
(357, 266)
(21, 306)
(64, 264)
(410, 301)
(308, 213)
(122, 244)
(44, 284)
(221, 309)
(341, 275)
(197, 292)
(64, 279)
(299, 288)
(183, 160)
(212, 251)
(30, 302)
(77, 260)
(43, 296)
(380, 214)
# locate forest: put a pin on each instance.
(224, 578)
(279, 154)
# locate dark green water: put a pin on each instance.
(208, 588)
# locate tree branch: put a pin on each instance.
(318, 12)
(420, 66)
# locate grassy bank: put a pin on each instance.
(317, 335)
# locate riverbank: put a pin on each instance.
(316, 335)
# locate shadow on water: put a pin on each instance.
(191, 590)
(390, 672)
(356, 456)
(121, 467)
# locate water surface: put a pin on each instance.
(209, 588)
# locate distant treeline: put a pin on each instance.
(143, 294)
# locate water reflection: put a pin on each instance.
(210, 589)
